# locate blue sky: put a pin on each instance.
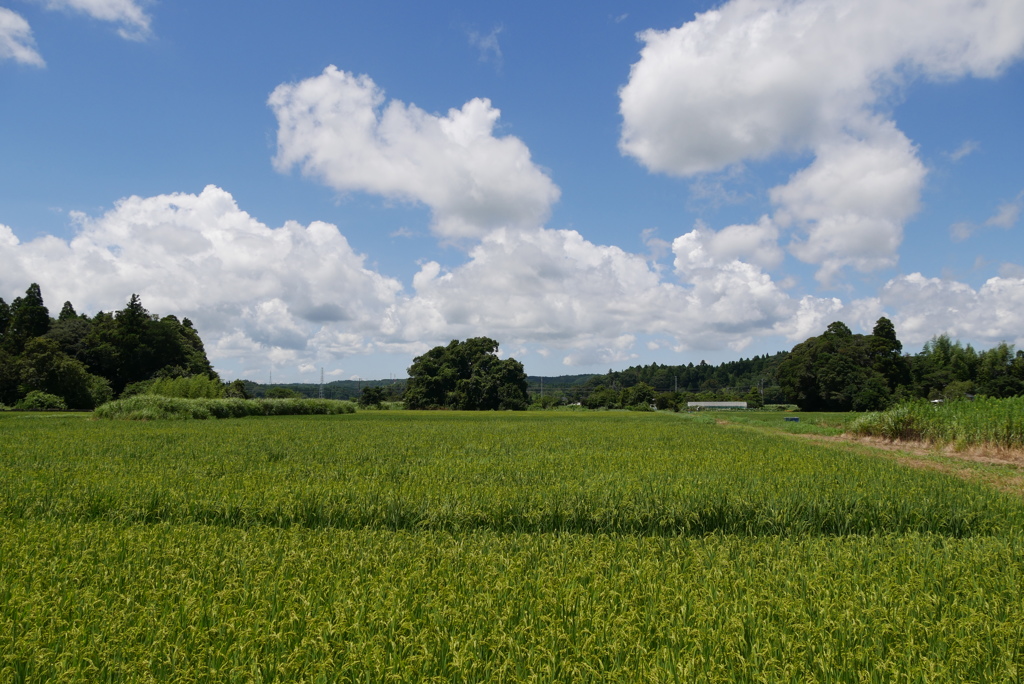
(593, 184)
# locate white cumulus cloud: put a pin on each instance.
(756, 78)
(852, 201)
(249, 288)
(298, 296)
(924, 307)
(706, 248)
(1007, 214)
(337, 129)
(556, 288)
(16, 41)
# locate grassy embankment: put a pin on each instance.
(155, 407)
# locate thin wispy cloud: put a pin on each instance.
(1005, 217)
(961, 230)
(132, 20)
(18, 43)
(488, 46)
(968, 147)
(1007, 214)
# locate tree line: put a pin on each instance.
(84, 361)
(835, 371)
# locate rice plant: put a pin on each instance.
(531, 472)
(85, 602)
(534, 547)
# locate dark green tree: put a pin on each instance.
(640, 394)
(466, 376)
(667, 401)
(603, 397)
(840, 371)
(753, 398)
(83, 359)
(71, 333)
(137, 358)
(10, 379)
(942, 362)
(67, 312)
(373, 396)
(236, 389)
(29, 318)
(99, 351)
(5, 320)
(283, 393)
(996, 376)
(44, 367)
(886, 353)
(133, 346)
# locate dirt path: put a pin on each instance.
(1000, 468)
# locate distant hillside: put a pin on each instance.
(734, 376)
(336, 389)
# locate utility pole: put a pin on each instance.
(321, 382)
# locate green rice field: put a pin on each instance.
(460, 547)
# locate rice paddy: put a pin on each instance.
(395, 546)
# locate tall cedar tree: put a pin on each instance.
(29, 318)
(82, 359)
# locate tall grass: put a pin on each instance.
(962, 424)
(191, 387)
(155, 407)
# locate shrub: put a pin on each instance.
(155, 407)
(133, 388)
(282, 393)
(191, 387)
(37, 400)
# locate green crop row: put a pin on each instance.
(984, 421)
(530, 472)
(88, 602)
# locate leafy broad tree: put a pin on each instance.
(466, 376)
(840, 371)
(374, 396)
